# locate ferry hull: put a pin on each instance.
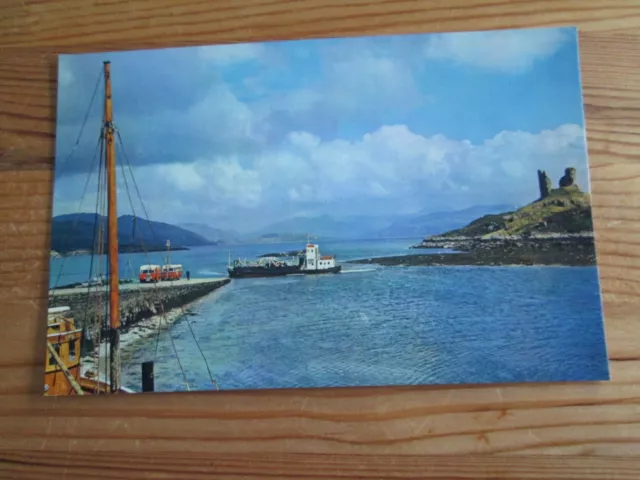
(258, 272)
(336, 269)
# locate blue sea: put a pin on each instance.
(371, 325)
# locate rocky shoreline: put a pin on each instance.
(551, 249)
(146, 328)
(94, 359)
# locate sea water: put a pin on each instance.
(374, 325)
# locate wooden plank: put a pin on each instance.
(72, 25)
(317, 467)
(531, 431)
(70, 378)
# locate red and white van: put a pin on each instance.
(149, 273)
(171, 272)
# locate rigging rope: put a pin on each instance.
(96, 242)
(75, 221)
(183, 313)
(135, 184)
(84, 122)
(163, 314)
(184, 375)
(133, 210)
(68, 157)
(213, 380)
(98, 250)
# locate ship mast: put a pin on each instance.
(112, 225)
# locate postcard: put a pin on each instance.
(374, 211)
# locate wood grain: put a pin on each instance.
(509, 431)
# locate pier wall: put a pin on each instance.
(137, 302)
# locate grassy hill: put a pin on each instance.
(565, 210)
(429, 223)
(213, 234)
(76, 232)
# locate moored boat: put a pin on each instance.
(309, 262)
(314, 263)
(63, 375)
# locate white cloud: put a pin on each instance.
(220, 114)
(304, 139)
(293, 194)
(378, 190)
(218, 122)
(391, 168)
(510, 51)
(65, 74)
(228, 182)
(367, 76)
(225, 55)
(359, 84)
(184, 176)
(395, 163)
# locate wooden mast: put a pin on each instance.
(112, 225)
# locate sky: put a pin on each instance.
(240, 136)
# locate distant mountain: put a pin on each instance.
(279, 238)
(325, 227)
(76, 232)
(354, 227)
(213, 234)
(438, 222)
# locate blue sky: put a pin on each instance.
(239, 136)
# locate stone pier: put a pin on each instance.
(138, 301)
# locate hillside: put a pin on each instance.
(434, 222)
(325, 227)
(280, 238)
(76, 232)
(565, 210)
(351, 227)
(213, 234)
(555, 229)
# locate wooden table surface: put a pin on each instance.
(545, 431)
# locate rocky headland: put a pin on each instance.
(555, 229)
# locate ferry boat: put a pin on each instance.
(309, 263)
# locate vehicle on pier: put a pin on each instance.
(171, 272)
(150, 273)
